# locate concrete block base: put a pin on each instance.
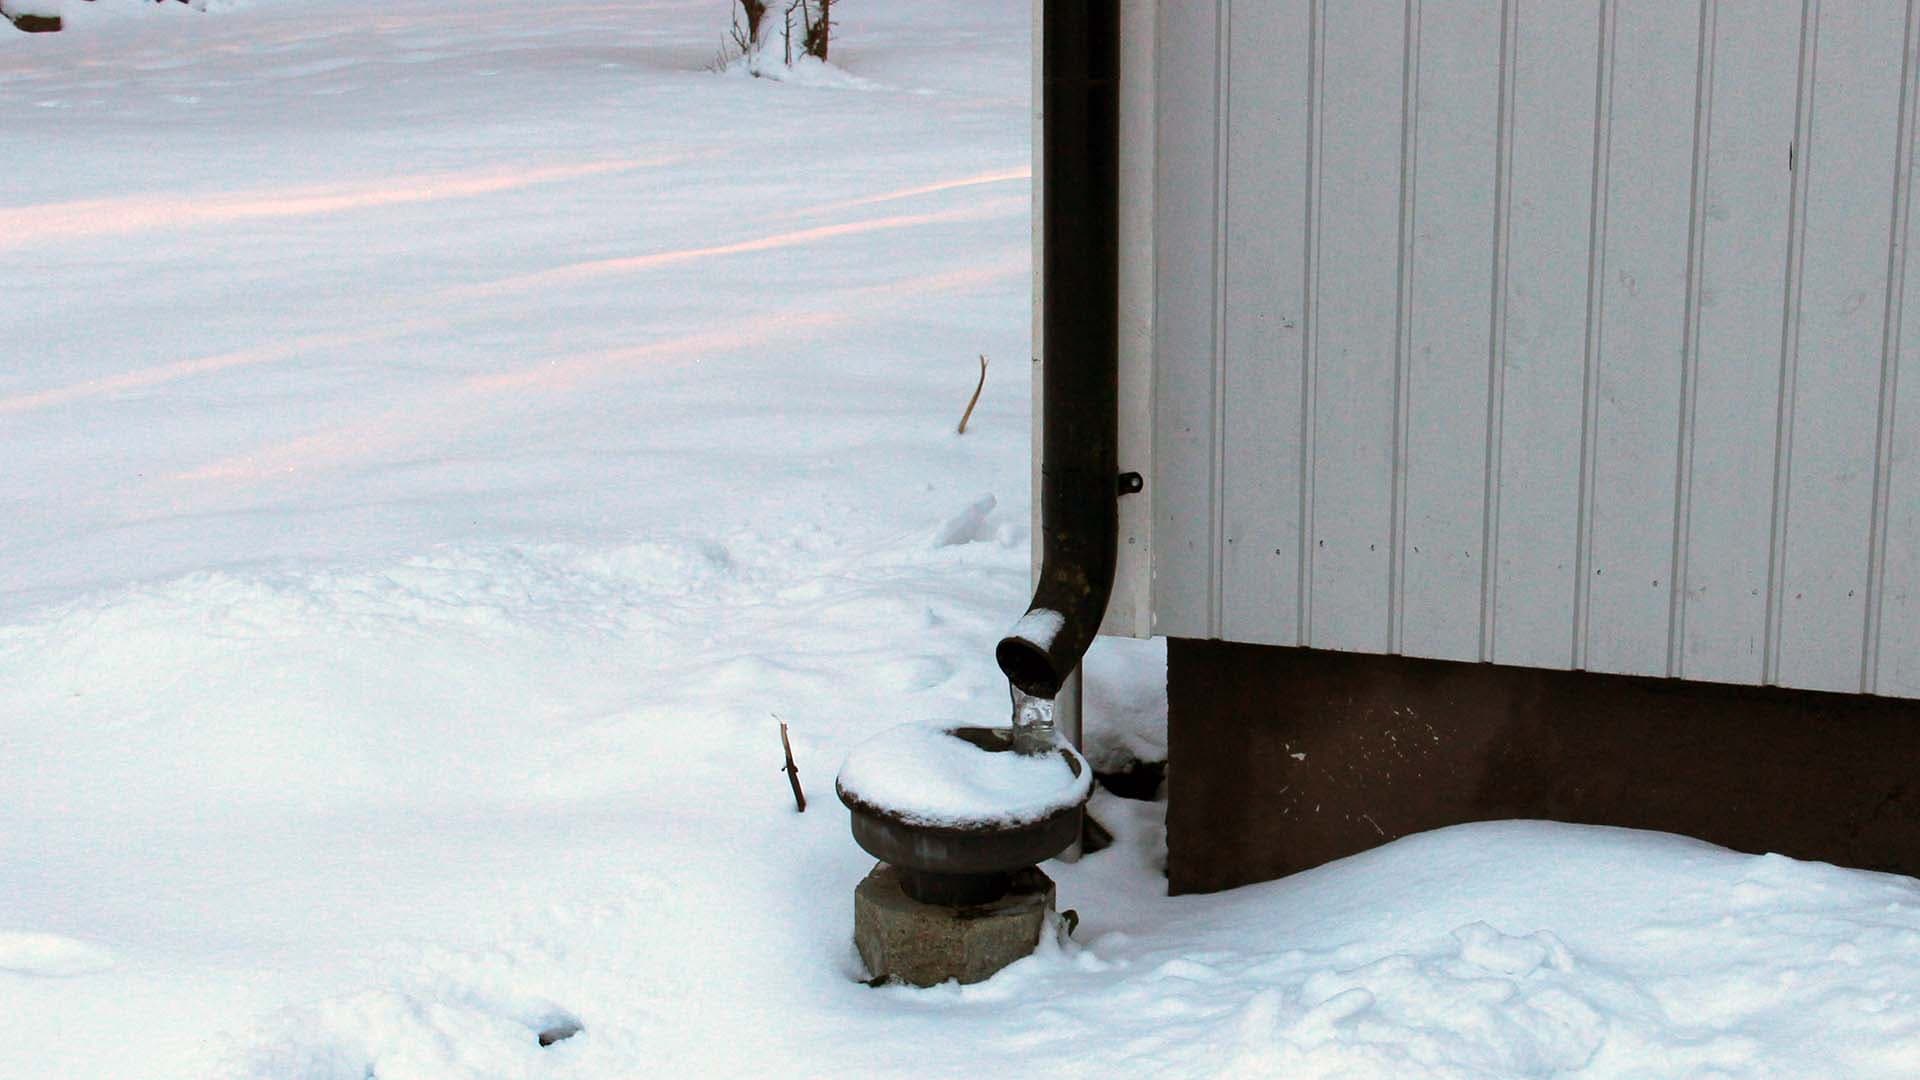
(926, 944)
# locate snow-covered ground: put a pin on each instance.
(440, 438)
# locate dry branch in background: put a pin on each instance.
(977, 387)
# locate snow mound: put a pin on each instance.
(47, 9)
(1497, 949)
(1500, 949)
(81, 15)
(929, 776)
(401, 1035)
(969, 525)
(1125, 682)
(50, 955)
(804, 71)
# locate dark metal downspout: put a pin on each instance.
(1079, 458)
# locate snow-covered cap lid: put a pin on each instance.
(928, 775)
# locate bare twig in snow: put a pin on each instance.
(792, 770)
(979, 386)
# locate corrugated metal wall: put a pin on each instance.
(1562, 333)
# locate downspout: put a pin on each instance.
(1079, 456)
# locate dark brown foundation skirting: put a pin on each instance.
(1283, 759)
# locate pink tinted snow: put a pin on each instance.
(462, 720)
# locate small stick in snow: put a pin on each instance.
(979, 386)
(792, 770)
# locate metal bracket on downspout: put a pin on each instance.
(1080, 118)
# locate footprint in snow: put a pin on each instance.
(969, 525)
(1489, 949)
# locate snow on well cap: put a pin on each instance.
(926, 775)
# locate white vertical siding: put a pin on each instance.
(1447, 328)
(1187, 172)
(1131, 610)
(1827, 512)
(1745, 242)
(1892, 663)
(1265, 291)
(1641, 340)
(1352, 320)
(1562, 333)
(1544, 331)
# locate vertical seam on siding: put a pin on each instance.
(1889, 365)
(1690, 342)
(1157, 430)
(1596, 299)
(1222, 172)
(1310, 315)
(1802, 161)
(1497, 339)
(1403, 328)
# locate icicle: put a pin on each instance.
(1032, 722)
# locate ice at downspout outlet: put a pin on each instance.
(1032, 722)
(1033, 715)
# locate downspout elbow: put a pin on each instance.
(1047, 643)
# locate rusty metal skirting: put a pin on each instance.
(1283, 759)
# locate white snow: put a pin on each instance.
(50, 955)
(1039, 626)
(44, 8)
(972, 524)
(1523, 949)
(1124, 681)
(926, 775)
(439, 439)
